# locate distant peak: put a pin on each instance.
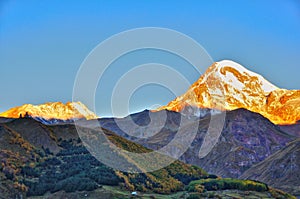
(51, 110)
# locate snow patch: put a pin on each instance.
(266, 85)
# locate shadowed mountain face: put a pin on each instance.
(246, 139)
(280, 170)
(4, 119)
(293, 129)
(33, 132)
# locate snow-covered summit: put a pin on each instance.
(227, 85)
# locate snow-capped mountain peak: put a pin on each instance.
(238, 76)
(51, 111)
(227, 85)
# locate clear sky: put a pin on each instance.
(43, 43)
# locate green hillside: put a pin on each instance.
(39, 161)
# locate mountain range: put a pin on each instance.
(50, 161)
(226, 85)
(259, 138)
(246, 139)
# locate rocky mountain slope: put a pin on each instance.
(246, 138)
(293, 129)
(280, 170)
(227, 85)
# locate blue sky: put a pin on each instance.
(43, 43)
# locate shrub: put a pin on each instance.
(194, 196)
(28, 171)
(227, 183)
(75, 184)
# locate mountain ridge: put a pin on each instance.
(280, 170)
(242, 129)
